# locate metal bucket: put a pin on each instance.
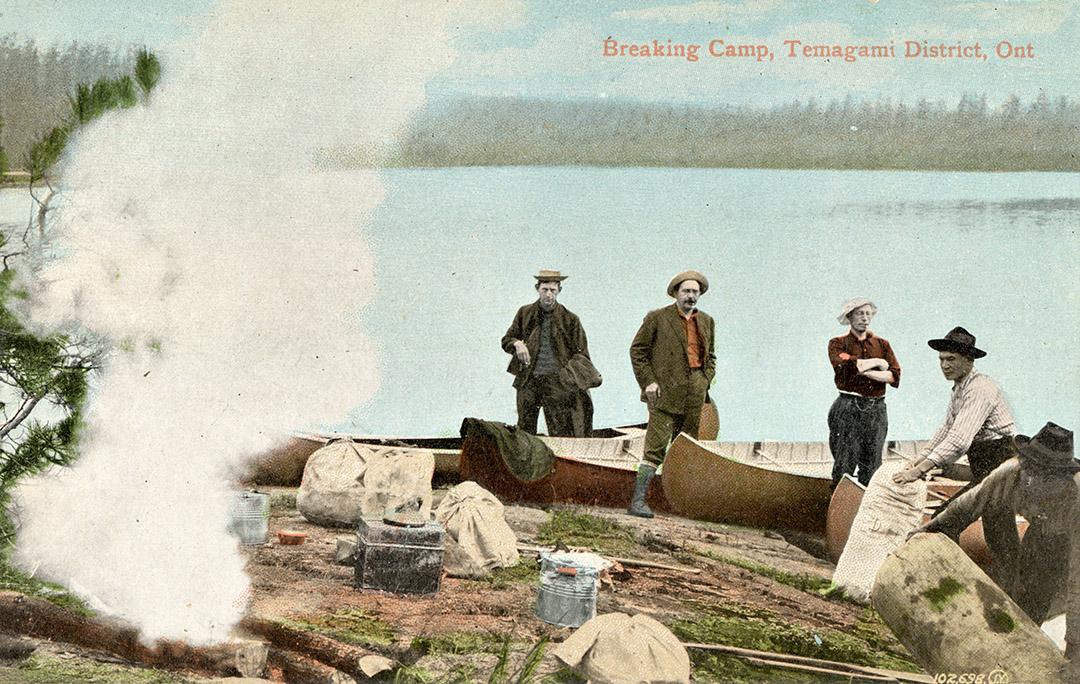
(249, 517)
(568, 584)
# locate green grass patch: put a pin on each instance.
(589, 531)
(943, 593)
(15, 580)
(283, 501)
(42, 668)
(527, 571)
(808, 583)
(732, 627)
(458, 643)
(350, 626)
(713, 667)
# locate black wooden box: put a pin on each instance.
(403, 560)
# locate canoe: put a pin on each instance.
(283, 464)
(593, 471)
(768, 485)
(843, 505)
(848, 495)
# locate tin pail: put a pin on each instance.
(568, 584)
(249, 515)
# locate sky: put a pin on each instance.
(555, 50)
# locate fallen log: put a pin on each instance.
(344, 657)
(293, 667)
(846, 669)
(38, 618)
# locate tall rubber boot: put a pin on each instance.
(638, 506)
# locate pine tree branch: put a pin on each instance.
(24, 410)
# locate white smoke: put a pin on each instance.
(197, 235)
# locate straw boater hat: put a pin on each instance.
(688, 275)
(960, 341)
(1051, 447)
(546, 275)
(850, 305)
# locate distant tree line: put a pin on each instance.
(36, 85)
(841, 134)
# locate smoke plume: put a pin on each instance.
(197, 235)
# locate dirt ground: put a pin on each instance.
(748, 574)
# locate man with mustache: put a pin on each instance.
(674, 363)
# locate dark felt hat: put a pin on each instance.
(1051, 446)
(960, 341)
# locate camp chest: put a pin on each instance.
(403, 560)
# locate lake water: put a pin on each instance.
(455, 251)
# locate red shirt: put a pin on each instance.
(845, 350)
(693, 342)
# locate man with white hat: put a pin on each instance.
(543, 339)
(674, 363)
(863, 364)
(1043, 485)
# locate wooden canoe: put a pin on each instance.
(848, 495)
(747, 483)
(595, 471)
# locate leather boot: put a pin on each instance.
(638, 506)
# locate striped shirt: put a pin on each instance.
(977, 413)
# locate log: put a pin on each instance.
(341, 656)
(846, 669)
(43, 620)
(293, 667)
(955, 620)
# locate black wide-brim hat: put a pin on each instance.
(1051, 446)
(960, 341)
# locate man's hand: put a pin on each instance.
(918, 530)
(521, 352)
(652, 393)
(908, 475)
(864, 365)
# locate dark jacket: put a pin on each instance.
(567, 338)
(658, 354)
(1055, 510)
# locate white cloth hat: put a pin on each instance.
(850, 305)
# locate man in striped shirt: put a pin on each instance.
(979, 423)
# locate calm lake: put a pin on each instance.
(455, 250)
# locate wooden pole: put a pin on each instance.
(844, 669)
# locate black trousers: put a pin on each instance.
(857, 429)
(999, 523)
(557, 400)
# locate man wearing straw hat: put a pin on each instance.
(980, 423)
(1043, 485)
(674, 363)
(863, 364)
(549, 358)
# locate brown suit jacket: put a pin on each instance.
(567, 338)
(658, 354)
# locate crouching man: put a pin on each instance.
(1042, 484)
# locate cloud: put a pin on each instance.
(491, 15)
(698, 12)
(1013, 18)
